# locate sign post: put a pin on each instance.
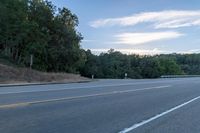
(125, 75)
(31, 61)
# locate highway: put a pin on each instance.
(103, 106)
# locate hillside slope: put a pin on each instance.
(10, 74)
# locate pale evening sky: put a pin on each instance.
(138, 26)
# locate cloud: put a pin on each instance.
(154, 51)
(88, 40)
(192, 51)
(141, 38)
(160, 19)
(132, 51)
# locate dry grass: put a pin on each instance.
(10, 74)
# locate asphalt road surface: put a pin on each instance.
(104, 106)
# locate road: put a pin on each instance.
(104, 106)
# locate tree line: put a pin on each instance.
(114, 64)
(38, 28)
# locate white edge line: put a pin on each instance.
(126, 130)
(95, 86)
(73, 88)
(78, 97)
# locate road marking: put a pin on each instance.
(79, 97)
(73, 88)
(13, 105)
(82, 87)
(126, 130)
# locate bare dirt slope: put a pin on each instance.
(10, 74)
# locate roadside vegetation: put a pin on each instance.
(38, 28)
(115, 64)
(9, 74)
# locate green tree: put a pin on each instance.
(35, 27)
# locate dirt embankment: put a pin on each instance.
(10, 74)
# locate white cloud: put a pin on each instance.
(141, 38)
(192, 51)
(88, 40)
(161, 19)
(132, 51)
(154, 51)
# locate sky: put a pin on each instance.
(137, 26)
